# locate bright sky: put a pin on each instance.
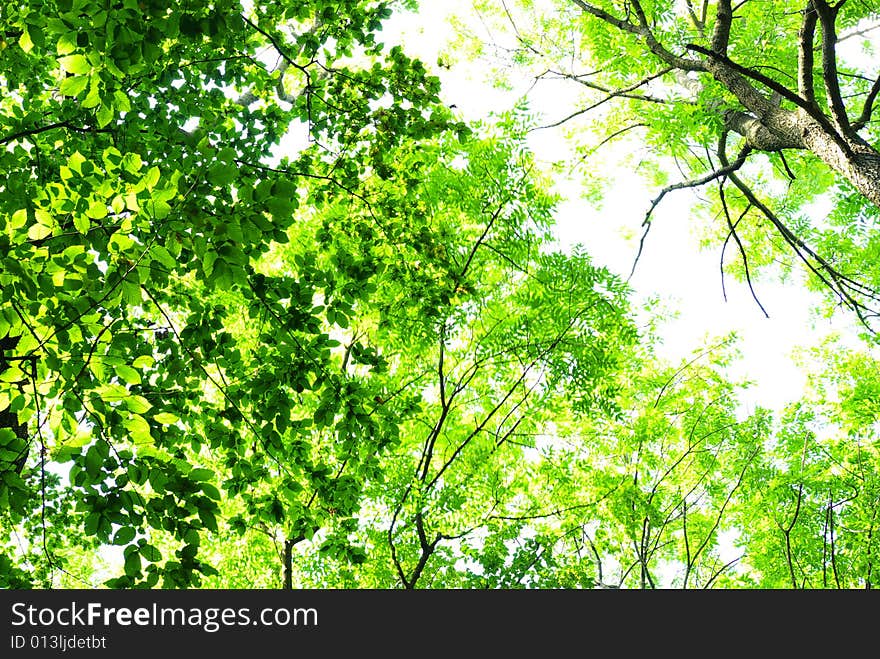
(672, 266)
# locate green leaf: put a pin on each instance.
(76, 64)
(128, 374)
(222, 174)
(94, 461)
(150, 553)
(124, 535)
(210, 491)
(201, 474)
(133, 564)
(139, 429)
(74, 85)
(105, 115)
(97, 210)
(160, 254)
(166, 418)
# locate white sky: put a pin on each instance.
(672, 266)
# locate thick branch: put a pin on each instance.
(699, 24)
(805, 54)
(733, 76)
(827, 17)
(723, 20)
(756, 134)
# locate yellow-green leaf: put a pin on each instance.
(97, 210)
(73, 85)
(19, 218)
(25, 41)
(152, 178)
(166, 418)
(105, 115)
(75, 161)
(139, 429)
(128, 374)
(66, 44)
(137, 404)
(144, 361)
(121, 101)
(76, 64)
(39, 231)
(82, 224)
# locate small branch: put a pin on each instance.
(724, 248)
(724, 171)
(42, 129)
(605, 140)
(625, 92)
(642, 30)
(732, 228)
(868, 108)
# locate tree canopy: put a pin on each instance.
(765, 106)
(273, 315)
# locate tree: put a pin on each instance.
(735, 95)
(141, 189)
(483, 334)
(271, 316)
(809, 519)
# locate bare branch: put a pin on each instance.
(607, 139)
(742, 249)
(844, 287)
(724, 171)
(625, 92)
(724, 248)
(868, 108)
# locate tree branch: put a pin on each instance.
(868, 108)
(724, 171)
(642, 30)
(723, 20)
(827, 17)
(805, 54)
